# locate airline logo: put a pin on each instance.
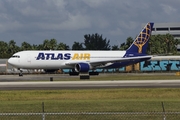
(143, 37)
(63, 56)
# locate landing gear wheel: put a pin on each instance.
(20, 74)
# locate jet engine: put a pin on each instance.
(82, 67)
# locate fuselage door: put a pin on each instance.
(29, 59)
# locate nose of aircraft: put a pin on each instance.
(11, 61)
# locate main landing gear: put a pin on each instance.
(74, 73)
(88, 74)
(20, 72)
(83, 75)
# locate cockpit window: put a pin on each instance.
(15, 56)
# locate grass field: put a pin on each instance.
(90, 100)
(95, 100)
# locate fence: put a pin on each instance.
(92, 116)
(130, 115)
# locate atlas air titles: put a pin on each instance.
(63, 56)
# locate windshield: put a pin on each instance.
(15, 56)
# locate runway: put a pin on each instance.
(63, 81)
(51, 85)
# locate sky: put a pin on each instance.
(68, 21)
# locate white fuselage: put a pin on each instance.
(60, 59)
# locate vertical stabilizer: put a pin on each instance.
(141, 42)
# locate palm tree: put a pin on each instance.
(96, 42)
(125, 46)
(12, 47)
(46, 45)
(77, 46)
(53, 44)
(4, 50)
(62, 46)
(26, 46)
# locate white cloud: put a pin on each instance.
(60, 4)
(116, 32)
(10, 1)
(129, 25)
(118, 19)
(168, 9)
(74, 22)
(10, 26)
(30, 11)
(95, 3)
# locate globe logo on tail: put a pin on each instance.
(143, 38)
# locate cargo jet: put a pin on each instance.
(84, 61)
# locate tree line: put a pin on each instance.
(158, 44)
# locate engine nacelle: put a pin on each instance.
(82, 67)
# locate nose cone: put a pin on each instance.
(12, 62)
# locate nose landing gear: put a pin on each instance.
(20, 72)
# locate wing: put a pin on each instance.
(95, 63)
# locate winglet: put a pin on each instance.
(140, 44)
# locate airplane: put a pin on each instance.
(83, 61)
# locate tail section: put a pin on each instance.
(140, 44)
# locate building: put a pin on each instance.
(165, 28)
